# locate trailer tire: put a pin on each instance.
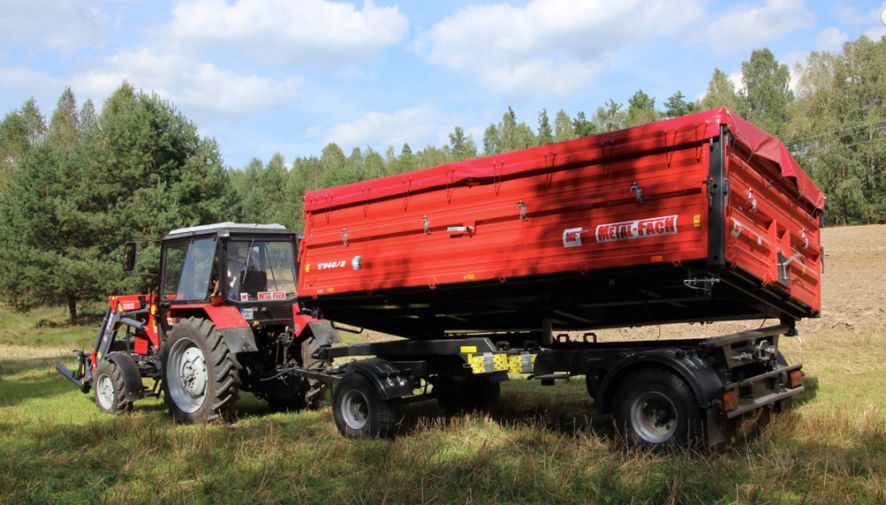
(360, 410)
(656, 409)
(110, 388)
(201, 376)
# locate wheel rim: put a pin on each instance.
(654, 417)
(104, 392)
(187, 376)
(355, 409)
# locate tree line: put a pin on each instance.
(74, 188)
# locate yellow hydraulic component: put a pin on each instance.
(521, 363)
(487, 362)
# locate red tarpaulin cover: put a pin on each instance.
(663, 134)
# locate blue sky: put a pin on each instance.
(289, 76)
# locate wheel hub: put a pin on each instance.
(105, 390)
(187, 375)
(193, 372)
(654, 417)
(355, 409)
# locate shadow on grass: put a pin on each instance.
(299, 460)
(14, 366)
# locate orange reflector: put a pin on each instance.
(730, 400)
(795, 378)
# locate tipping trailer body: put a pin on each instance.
(699, 218)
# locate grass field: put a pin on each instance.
(541, 446)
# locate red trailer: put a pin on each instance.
(479, 263)
(699, 218)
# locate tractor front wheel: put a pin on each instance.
(110, 388)
(200, 374)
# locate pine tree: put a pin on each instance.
(610, 117)
(641, 109)
(64, 127)
(71, 207)
(767, 91)
(721, 93)
(492, 140)
(563, 128)
(462, 146)
(582, 126)
(676, 106)
(545, 132)
(20, 130)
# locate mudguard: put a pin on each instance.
(703, 381)
(390, 381)
(239, 339)
(322, 330)
(132, 378)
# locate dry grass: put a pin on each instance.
(541, 446)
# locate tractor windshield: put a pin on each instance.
(260, 270)
(188, 269)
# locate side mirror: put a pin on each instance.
(129, 257)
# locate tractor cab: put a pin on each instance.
(228, 263)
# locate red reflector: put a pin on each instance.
(730, 400)
(795, 378)
(216, 300)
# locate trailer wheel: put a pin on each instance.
(200, 374)
(656, 409)
(360, 411)
(110, 388)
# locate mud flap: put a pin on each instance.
(132, 378)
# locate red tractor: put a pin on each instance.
(223, 319)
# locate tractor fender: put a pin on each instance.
(132, 378)
(239, 339)
(323, 331)
(704, 382)
(389, 380)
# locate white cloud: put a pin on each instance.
(849, 14)
(876, 32)
(60, 25)
(415, 125)
(27, 82)
(736, 79)
(744, 27)
(187, 83)
(831, 39)
(288, 31)
(549, 46)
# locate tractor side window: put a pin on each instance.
(280, 268)
(188, 270)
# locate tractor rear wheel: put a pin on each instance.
(200, 374)
(110, 388)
